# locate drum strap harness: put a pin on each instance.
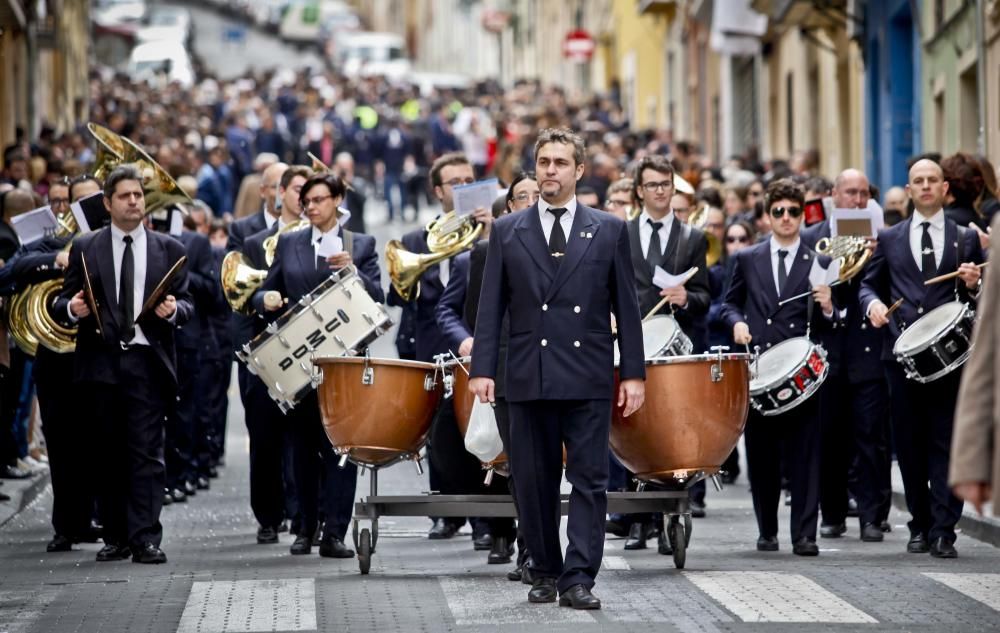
(961, 256)
(809, 315)
(348, 238)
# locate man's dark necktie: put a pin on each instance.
(321, 263)
(927, 253)
(557, 238)
(782, 273)
(655, 251)
(126, 292)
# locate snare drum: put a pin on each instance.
(662, 337)
(787, 374)
(938, 343)
(338, 318)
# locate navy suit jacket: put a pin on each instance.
(450, 308)
(561, 347)
(893, 274)
(203, 282)
(96, 356)
(294, 273)
(420, 322)
(753, 298)
(243, 228)
(32, 264)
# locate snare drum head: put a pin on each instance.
(657, 332)
(780, 361)
(928, 327)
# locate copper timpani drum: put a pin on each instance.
(377, 411)
(463, 399)
(692, 417)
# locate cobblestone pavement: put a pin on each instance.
(219, 580)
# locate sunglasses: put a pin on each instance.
(732, 239)
(794, 212)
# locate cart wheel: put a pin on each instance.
(687, 529)
(678, 540)
(365, 551)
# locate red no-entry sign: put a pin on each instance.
(578, 46)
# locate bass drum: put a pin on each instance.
(377, 411)
(694, 412)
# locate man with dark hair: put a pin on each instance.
(125, 360)
(557, 271)
(763, 275)
(268, 215)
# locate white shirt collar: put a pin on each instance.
(667, 220)
(316, 233)
(791, 248)
(570, 207)
(269, 219)
(936, 220)
(137, 233)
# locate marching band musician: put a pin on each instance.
(909, 253)
(266, 217)
(297, 269)
(69, 442)
(855, 392)
(456, 314)
(659, 238)
(452, 469)
(558, 271)
(125, 360)
(775, 269)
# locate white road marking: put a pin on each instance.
(615, 563)
(20, 609)
(982, 587)
(775, 597)
(496, 600)
(250, 606)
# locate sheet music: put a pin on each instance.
(34, 225)
(664, 280)
(476, 195)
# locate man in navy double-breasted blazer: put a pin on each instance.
(558, 271)
(925, 245)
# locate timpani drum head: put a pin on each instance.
(928, 328)
(779, 362)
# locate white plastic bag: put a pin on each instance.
(482, 438)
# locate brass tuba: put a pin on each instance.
(158, 187)
(447, 236)
(852, 250)
(110, 150)
(698, 219)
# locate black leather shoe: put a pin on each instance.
(516, 574)
(615, 527)
(59, 543)
(4, 497)
(730, 478)
(527, 576)
(189, 488)
(333, 547)
(178, 496)
(543, 590)
(871, 533)
(13, 472)
(302, 545)
(636, 537)
(442, 530)
(833, 530)
(767, 544)
(149, 554)
(885, 526)
(482, 543)
(579, 597)
(113, 552)
(202, 483)
(283, 527)
(805, 547)
(918, 544)
(167, 499)
(92, 534)
(500, 551)
(663, 544)
(941, 548)
(697, 509)
(267, 535)
(213, 472)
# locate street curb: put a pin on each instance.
(981, 528)
(22, 493)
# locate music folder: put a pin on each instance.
(162, 287)
(88, 293)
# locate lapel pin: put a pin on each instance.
(582, 234)
(805, 256)
(590, 235)
(956, 244)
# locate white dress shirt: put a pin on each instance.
(646, 231)
(793, 250)
(549, 220)
(269, 219)
(936, 230)
(331, 241)
(139, 286)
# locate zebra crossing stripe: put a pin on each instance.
(496, 600)
(776, 597)
(984, 588)
(250, 606)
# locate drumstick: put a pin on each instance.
(894, 307)
(947, 276)
(663, 301)
(804, 294)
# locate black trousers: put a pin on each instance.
(216, 376)
(793, 439)
(505, 526)
(182, 425)
(70, 438)
(267, 428)
(130, 416)
(855, 420)
(314, 462)
(922, 420)
(538, 431)
(11, 379)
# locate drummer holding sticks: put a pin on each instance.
(908, 255)
(762, 275)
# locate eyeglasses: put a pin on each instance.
(794, 212)
(454, 182)
(58, 202)
(617, 203)
(663, 185)
(307, 202)
(742, 239)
